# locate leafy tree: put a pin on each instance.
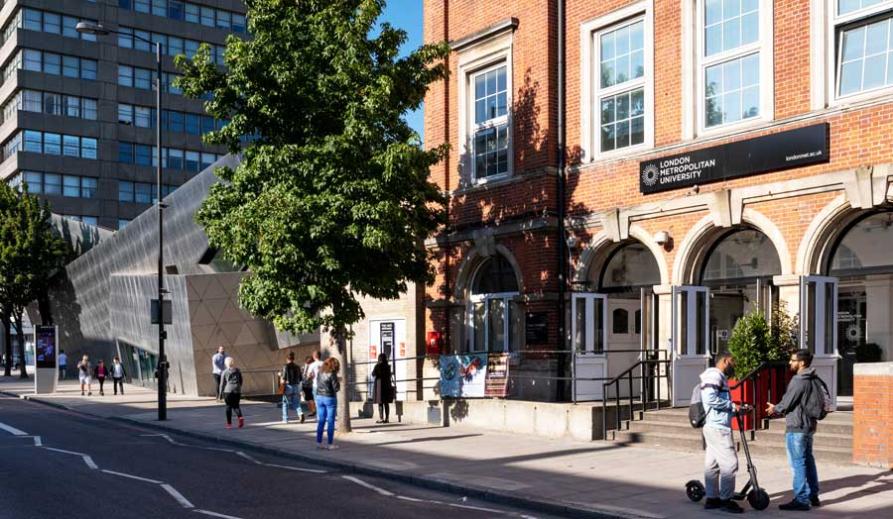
(30, 253)
(332, 197)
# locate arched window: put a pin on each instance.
(866, 248)
(492, 312)
(630, 266)
(741, 255)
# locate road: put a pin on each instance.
(59, 464)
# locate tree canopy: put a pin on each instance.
(332, 197)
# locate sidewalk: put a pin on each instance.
(582, 477)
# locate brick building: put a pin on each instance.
(722, 156)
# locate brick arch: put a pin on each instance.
(600, 247)
(821, 234)
(704, 233)
(475, 258)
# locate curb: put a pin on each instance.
(359, 468)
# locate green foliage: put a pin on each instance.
(785, 333)
(754, 341)
(332, 196)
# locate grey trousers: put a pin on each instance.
(720, 463)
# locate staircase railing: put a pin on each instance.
(649, 373)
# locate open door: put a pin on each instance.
(818, 326)
(690, 338)
(589, 313)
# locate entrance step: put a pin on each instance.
(670, 429)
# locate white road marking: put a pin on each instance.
(131, 476)
(299, 469)
(414, 500)
(176, 495)
(87, 459)
(478, 508)
(12, 430)
(247, 457)
(37, 441)
(370, 486)
(215, 514)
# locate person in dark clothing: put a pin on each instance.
(383, 390)
(100, 372)
(118, 374)
(307, 386)
(291, 397)
(799, 430)
(231, 389)
(327, 387)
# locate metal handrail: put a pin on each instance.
(628, 375)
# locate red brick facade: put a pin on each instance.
(873, 421)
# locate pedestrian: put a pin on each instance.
(721, 458)
(291, 378)
(314, 371)
(63, 363)
(218, 364)
(85, 371)
(307, 386)
(100, 372)
(231, 391)
(327, 387)
(118, 374)
(799, 430)
(383, 390)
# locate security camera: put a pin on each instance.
(662, 238)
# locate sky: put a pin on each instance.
(407, 15)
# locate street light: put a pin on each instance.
(99, 30)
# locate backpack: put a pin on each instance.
(818, 400)
(697, 416)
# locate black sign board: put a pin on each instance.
(800, 147)
(536, 328)
(45, 347)
(168, 312)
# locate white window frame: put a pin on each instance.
(826, 48)
(695, 65)
(489, 123)
(507, 299)
(486, 55)
(591, 91)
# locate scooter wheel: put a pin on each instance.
(694, 489)
(758, 499)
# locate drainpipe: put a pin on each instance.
(561, 242)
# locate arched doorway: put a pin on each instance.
(612, 322)
(861, 258)
(493, 316)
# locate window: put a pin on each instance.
(32, 101)
(192, 161)
(175, 159)
(88, 187)
(88, 109)
(125, 75)
(192, 124)
(734, 49)
(125, 191)
(33, 60)
(33, 141)
(621, 86)
(175, 121)
(125, 114)
(72, 106)
(71, 186)
(492, 308)
(34, 181)
(142, 155)
(71, 146)
(142, 78)
(144, 117)
(52, 144)
(88, 148)
(70, 66)
(125, 152)
(122, 223)
(52, 103)
(52, 184)
(865, 47)
(491, 128)
(52, 23)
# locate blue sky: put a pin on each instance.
(407, 15)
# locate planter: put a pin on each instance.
(767, 385)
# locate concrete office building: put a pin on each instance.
(78, 110)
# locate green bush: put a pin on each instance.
(750, 342)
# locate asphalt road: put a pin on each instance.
(60, 464)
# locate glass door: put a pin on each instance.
(690, 338)
(818, 325)
(589, 333)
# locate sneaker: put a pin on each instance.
(320, 446)
(815, 501)
(229, 426)
(89, 393)
(332, 447)
(795, 506)
(82, 393)
(101, 393)
(712, 503)
(302, 418)
(241, 422)
(285, 421)
(731, 507)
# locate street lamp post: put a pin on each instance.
(99, 30)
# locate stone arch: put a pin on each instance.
(472, 262)
(821, 235)
(695, 244)
(601, 246)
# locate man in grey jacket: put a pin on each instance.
(799, 429)
(720, 458)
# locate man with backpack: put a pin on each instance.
(721, 458)
(804, 403)
(291, 396)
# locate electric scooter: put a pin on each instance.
(756, 496)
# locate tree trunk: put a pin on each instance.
(43, 306)
(20, 334)
(344, 394)
(7, 345)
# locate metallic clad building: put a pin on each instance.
(78, 110)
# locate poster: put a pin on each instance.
(497, 381)
(463, 375)
(45, 346)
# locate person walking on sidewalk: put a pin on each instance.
(799, 430)
(231, 389)
(118, 375)
(291, 378)
(307, 386)
(63, 364)
(100, 372)
(383, 390)
(314, 371)
(327, 387)
(721, 458)
(218, 364)
(85, 372)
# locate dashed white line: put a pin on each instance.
(247, 457)
(87, 459)
(176, 495)
(370, 486)
(12, 430)
(478, 508)
(414, 500)
(131, 476)
(299, 469)
(215, 514)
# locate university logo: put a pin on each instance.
(650, 174)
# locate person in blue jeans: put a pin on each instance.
(291, 397)
(327, 387)
(799, 431)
